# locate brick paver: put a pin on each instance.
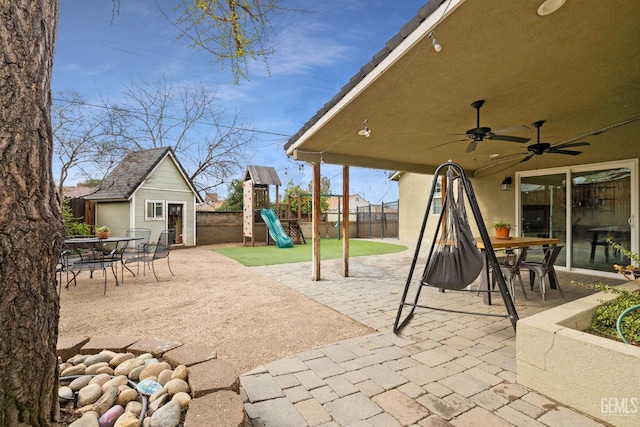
(442, 370)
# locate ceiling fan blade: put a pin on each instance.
(529, 156)
(471, 147)
(447, 143)
(571, 144)
(569, 152)
(508, 138)
(512, 129)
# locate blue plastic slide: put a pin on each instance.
(276, 231)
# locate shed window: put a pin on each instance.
(154, 210)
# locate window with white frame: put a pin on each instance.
(154, 210)
(436, 203)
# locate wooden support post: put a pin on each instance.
(345, 221)
(316, 222)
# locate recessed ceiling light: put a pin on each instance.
(550, 6)
(493, 156)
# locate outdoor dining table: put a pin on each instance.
(112, 255)
(509, 243)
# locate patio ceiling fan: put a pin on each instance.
(480, 133)
(502, 163)
(540, 148)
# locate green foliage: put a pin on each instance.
(606, 316)
(306, 201)
(231, 30)
(252, 256)
(74, 226)
(502, 223)
(234, 201)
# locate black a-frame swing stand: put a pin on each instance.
(491, 260)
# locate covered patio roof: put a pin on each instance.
(577, 68)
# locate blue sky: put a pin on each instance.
(316, 54)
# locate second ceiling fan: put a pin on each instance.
(540, 148)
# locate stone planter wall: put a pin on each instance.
(595, 375)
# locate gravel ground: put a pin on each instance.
(247, 318)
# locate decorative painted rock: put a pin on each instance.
(148, 387)
(109, 418)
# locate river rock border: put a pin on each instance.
(214, 383)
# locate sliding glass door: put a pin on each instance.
(601, 210)
(543, 210)
(583, 207)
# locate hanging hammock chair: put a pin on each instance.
(455, 260)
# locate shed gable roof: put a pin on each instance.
(131, 172)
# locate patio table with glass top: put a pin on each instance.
(509, 243)
(105, 252)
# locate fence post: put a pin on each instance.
(382, 221)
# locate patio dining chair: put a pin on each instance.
(544, 269)
(85, 257)
(511, 270)
(156, 251)
(133, 250)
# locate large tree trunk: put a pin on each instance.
(31, 228)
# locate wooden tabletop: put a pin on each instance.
(517, 242)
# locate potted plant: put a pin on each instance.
(102, 231)
(503, 228)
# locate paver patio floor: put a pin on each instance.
(442, 369)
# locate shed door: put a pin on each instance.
(175, 221)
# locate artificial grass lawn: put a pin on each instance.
(329, 249)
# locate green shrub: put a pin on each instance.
(604, 319)
(74, 226)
